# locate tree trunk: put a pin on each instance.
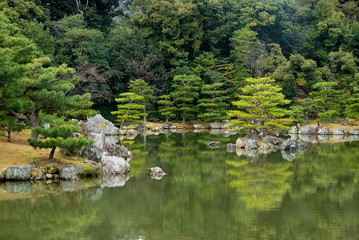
(34, 123)
(144, 116)
(121, 125)
(184, 118)
(167, 119)
(52, 153)
(8, 136)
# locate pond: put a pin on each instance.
(206, 194)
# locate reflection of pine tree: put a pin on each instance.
(261, 186)
(138, 162)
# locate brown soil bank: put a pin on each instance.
(18, 153)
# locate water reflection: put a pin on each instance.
(206, 194)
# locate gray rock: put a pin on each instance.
(309, 138)
(99, 139)
(241, 142)
(122, 132)
(117, 150)
(231, 147)
(288, 144)
(69, 152)
(313, 130)
(251, 144)
(224, 124)
(157, 173)
(214, 144)
(252, 153)
(353, 131)
(338, 137)
(324, 131)
(18, 173)
(272, 140)
(98, 124)
(215, 125)
(131, 134)
(304, 131)
(338, 131)
(197, 126)
(71, 172)
(156, 129)
(115, 180)
(92, 153)
(288, 155)
(115, 165)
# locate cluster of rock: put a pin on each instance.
(253, 147)
(315, 133)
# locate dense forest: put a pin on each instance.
(178, 59)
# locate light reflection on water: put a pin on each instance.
(206, 194)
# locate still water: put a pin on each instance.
(206, 194)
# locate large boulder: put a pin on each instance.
(2, 174)
(99, 124)
(157, 173)
(288, 144)
(251, 144)
(197, 126)
(304, 131)
(353, 131)
(18, 173)
(98, 138)
(92, 153)
(117, 150)
(71, 172)
(215, 125)
(324, 131)
(313, 130)
(115, 165)
(338, 131)
(241, 142)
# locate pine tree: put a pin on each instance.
(328, 101)
(167, 109)
(129, 110)
(59, 135)
(185, 93)
(259, 106)
(214, 105)
(142, 88)
(352, 108)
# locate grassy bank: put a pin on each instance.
(19, 153)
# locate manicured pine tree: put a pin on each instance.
(185, 93)
(60, 134)
(352, 107)
(214, 105)
(130, 109)
(259, 106)
(142, 88)
(297, 115)
(167, 109)
(328, 101)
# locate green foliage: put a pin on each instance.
(260, 106)
(352, 107)
(130, 108)
(167, 109)
(140, 87)
(60, 134)
(185, 93)
(214, 103)
(328, 101)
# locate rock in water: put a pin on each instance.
(324, 131)
(251, 144)
(18, 173)
(214, 144)
(338, 131)
(352, 131)
(115, 165)
(157, 173)
(288, 144)
(241, 142)
(215, 125)
(231, 147)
